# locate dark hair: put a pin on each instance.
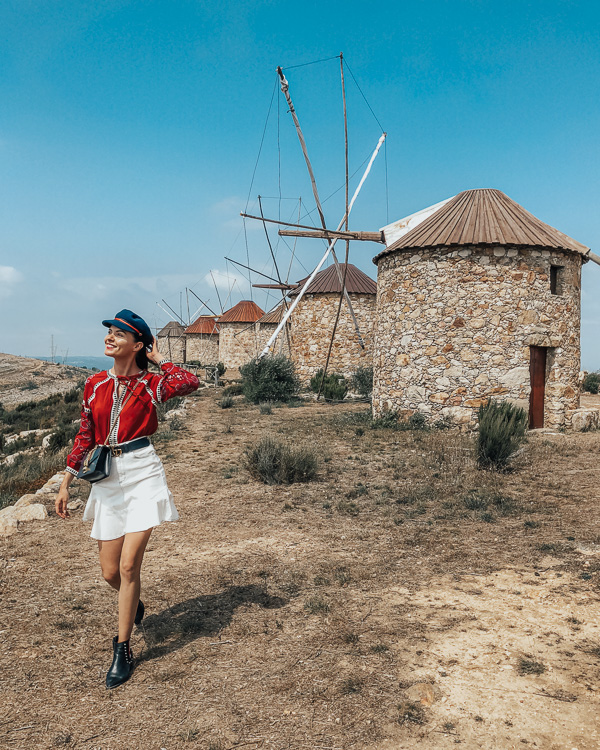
(141, 357)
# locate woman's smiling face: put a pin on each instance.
(119, 343)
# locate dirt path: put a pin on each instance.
(373, 608)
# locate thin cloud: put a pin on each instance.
(9, 276)
(228, 210)
(107, 287)
(223, 280)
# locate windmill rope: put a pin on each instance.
(313, 62)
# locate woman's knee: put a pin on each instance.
(129, 568)
(110, 573)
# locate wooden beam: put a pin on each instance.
(274, 286)
(329, 234)
(593, 257)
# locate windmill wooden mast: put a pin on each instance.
(324, 233)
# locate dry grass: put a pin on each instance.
(298, 616)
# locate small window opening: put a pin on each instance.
(556, 279)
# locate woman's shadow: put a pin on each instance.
(200, 617)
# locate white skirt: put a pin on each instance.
(135, 496)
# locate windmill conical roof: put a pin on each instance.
(274, 316)
(327, 282)
(475, 217)
(206, 324)
(245, 311)
(173, 328)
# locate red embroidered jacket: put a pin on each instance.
(138, 414)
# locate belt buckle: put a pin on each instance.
(116, 452)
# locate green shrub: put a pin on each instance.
(417, 421)
(42, 414)
(591, 384)
(18, 445)
(273, 461)
(266, 408)
(502, 430)
(387, 421)
(62, 437)
(391, 421)
(334, 386)
(362, 381)
(72, 396)
(271, 378)
(226, 402)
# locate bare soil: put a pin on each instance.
(402, 599)
(26, 379)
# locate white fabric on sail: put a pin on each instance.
(393, 232)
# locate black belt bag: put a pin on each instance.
(98, 461)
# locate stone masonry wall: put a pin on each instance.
(203, 348)
(264, 333)
(312, 325)
(172, 347)
(238, 343)
(453, 328)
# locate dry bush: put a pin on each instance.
(274, 461)
(26, 472)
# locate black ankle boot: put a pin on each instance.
(139, 612)
(122, 666)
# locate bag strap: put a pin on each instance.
(129, 395)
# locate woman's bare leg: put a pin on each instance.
(132, 555)
(110, 560)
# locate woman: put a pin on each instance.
(134, 497)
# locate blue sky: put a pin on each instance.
(129, 132)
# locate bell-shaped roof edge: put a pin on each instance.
(475, 217)
(245, 311)
(328, 282)
(205, 324)
(273, 316)
(173, 328)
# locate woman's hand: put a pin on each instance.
(60, 504)
(153, 354)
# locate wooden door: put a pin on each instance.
(537, 378)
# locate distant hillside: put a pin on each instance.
(99, 363)
(26, 379)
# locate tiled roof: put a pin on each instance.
(327, 282)
(171, 329)
(205, 324)
(477, 217)
(245, 311)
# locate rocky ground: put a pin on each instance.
(402, 599)
(25, 379)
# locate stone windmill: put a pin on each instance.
(478, 299)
